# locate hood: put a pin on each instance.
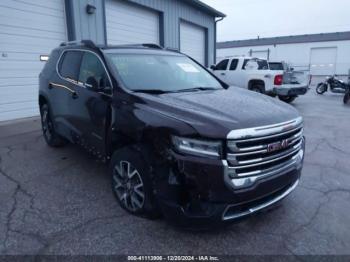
(214, 113)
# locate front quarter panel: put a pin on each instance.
(136, 122)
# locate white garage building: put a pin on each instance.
(30, 29)
(321, 54)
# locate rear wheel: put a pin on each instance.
(287, 99)
(347, 98)
(257, 89)
(48, 128)
(132, 184)
(321, 88)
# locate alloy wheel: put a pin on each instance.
(128, 186)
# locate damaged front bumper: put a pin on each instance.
(209, 196)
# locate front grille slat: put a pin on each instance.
(253, 155)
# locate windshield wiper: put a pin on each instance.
(195, 89)
(151, 91)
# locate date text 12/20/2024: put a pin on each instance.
(173, 258)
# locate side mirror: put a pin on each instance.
(212, 67)
(92, 84)
(292, 69)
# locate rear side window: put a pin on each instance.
(70, 64)
(234, 64)
(222, 65)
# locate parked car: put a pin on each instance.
(178, 140)
(254, 74)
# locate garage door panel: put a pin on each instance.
(130, 24)
(27, 41)
(54, 4)
(192, 41)
(15, 20)
(323, 61)
(26, 96)
(22, 81)
(45, 10)
(21, 31)
(28, 29)
(25, 65)
(4, 116)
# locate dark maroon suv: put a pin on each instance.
(179, 142)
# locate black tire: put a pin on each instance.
(321, 88)
(287, 99)
(50, 135)
(257, 89)
(124, 187)
(346, 98)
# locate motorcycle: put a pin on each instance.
(336, 85)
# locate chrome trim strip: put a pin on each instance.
(76, 82)
(268, 161)
(62, 86)
(259, 207)
(254, 132)
(232, 158)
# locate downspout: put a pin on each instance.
(215, 37)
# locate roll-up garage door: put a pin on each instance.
(130, 24)
(28, 29)
(323, 61)
(192, 41)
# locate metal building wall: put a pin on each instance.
(84, 26)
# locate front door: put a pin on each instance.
(89, 112)
(220, 70)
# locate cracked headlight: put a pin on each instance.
(197, 147)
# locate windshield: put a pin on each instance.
(165, 73)
(276, 66)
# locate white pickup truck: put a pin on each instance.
(256, 75)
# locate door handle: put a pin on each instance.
(74, 95)
(223, 74)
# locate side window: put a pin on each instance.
(70, 64)
(222, 65)
(234, 64)
(91, 66)
(245, 63)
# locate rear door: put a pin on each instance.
(233, 74)
(89, 112)
(61, 89)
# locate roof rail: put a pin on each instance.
(155, 46)
(173, 49)
(87, 43)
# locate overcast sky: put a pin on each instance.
(248, 19)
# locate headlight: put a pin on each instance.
(197, 147)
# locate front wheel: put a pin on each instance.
(132, 184)
(287, 99)
(346, 98)
(321, 88)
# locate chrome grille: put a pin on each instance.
(261, 150)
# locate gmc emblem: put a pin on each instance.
(277, 146)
